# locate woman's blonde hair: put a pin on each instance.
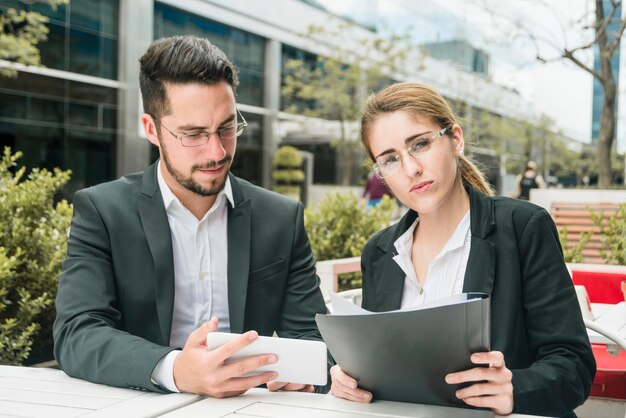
(418, 99)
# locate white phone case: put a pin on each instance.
(299, 361)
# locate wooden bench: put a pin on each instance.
(576, 218)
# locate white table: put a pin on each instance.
(262, 403)
(31, 392)
(610, 316)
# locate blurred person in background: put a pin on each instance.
(529, 179)
(375, 189)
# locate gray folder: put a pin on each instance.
(405, 355)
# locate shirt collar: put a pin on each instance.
(404, 243)
(457, 240)
(169, 198)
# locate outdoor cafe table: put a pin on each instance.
(36, 392)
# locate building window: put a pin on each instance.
(83, 35)
(245, 50)
(60, 123)
(247, 163)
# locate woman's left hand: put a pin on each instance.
(493, 388)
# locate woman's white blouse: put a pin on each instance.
(445, 273)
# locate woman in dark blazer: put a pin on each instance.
(457, 237)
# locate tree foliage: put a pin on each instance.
(22, 31)
(575, 39)
(33, 241)
(334, 87)
(517, 141)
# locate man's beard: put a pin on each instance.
(189, 183)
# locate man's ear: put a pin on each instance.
(150, 129)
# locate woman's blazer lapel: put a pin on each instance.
(387, 276)
(481, 265)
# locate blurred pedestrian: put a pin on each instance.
(375, 189)
(529, 179)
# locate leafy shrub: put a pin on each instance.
(33, 241)
(613, 235)
(341, 226)
(575, 253)
(287, 174)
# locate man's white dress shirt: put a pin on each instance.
(200, 249)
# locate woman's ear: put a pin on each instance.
(457, 139)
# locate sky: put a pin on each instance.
(558, 88)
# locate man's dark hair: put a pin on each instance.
(181, 59)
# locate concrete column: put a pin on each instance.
(271, 103)
(135, 35)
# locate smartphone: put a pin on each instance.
(299, 361)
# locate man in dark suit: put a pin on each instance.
(159, 259)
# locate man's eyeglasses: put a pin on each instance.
(389, 164)
(197, 139)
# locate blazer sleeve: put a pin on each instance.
(303, 298)
(563, 369)
(87, 341)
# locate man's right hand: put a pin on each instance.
(202, 371)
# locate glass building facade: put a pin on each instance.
(69, 118)
(57, 122)
(246, 51)
(598, 92)
(82, 110)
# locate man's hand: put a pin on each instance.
(202, 371)
(343, 386)
(493, 389)
(294, 387)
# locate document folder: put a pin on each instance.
(405, 355)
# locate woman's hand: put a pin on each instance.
(343, 386)
(493, 388)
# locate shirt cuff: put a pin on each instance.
(163, 373)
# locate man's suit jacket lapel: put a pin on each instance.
(156, 227)
(239, 246)
(481, 265)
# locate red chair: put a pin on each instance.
(603, 285)
(610, 380)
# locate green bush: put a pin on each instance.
(33, 241)
(613, 235)
(291, 191)
(341, 226)
(574, 254)
(287, 174)
(287, 157)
